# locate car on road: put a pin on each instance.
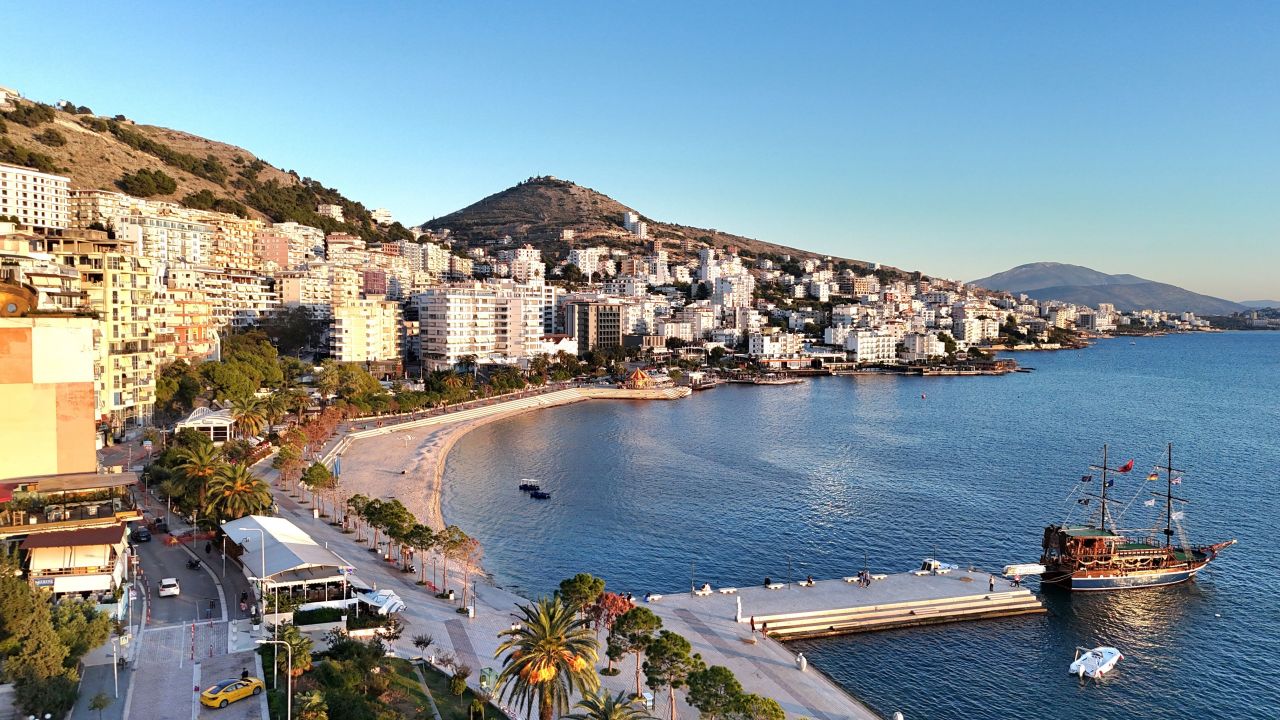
(169, 588)
(221, 694)
(140, 535)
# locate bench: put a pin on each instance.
(775, 586)
(728, 591)
(654, 598)
(806, 583)
(703, 592)
(850, 579)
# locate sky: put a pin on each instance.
(959, 139)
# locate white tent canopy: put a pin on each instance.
(288, 553)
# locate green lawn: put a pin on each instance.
(451, 708)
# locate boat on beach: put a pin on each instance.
(1099, 555)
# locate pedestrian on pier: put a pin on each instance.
(753, 626)
(991, 583)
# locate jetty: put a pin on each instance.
(789, 611)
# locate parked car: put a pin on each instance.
(169, 588)
(221, 694)
(140, 535)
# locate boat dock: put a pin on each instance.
(719, 628)
(794, 610)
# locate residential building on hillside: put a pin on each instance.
(38, 200)
(494, 322)
(382, 216)
(333, 212)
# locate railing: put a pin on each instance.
(68, 514)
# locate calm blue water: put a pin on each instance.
(745, 482)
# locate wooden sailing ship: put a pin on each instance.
(1092, 557)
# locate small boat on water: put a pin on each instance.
(540, 495)
(1099, 555)
(529, 486)
(1095, 662)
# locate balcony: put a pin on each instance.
(59, 502)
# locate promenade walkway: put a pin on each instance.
(767, 667)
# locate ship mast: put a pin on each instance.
(1104, 487)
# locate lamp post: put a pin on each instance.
(288, 713)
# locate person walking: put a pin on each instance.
(753, 626)
(991, 583)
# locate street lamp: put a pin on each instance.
(288, 713)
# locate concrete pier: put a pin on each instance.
(841, 606)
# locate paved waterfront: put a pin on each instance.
(372, 465)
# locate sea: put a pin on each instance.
(739, 483)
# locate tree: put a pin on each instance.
(145, 183)
(100, 702)
(714, 691)
(236, 492)
(449, 541)
(423, 642)
(312, 706)
(755, 707)
(668, 664)
(632, 633)
(318, 478)
(248, 415)
(197, 465)
(299, 644)
(81, 627)
(581, 590)
(600, 705)
(51, 137)
(40, 652)
(547, 657)
(458, 683)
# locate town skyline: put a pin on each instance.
(1083, 151)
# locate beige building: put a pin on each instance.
(237, 298)
(366, 331)
(121, 288)
(66, 516)
(36, 199)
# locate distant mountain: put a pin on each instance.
(1085, 286)
(1261, 303)
(540, 209)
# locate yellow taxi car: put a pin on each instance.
(219, 695)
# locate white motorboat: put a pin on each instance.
(1096, 662)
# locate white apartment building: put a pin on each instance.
(973, 330)
(589, 260)
(495, 322)
(39, 200)
(167, 240)
(365, 331)
(922, 346)
(527, 265)
(778, 344)
(382, 216)
(869, 346)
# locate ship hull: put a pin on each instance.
(1131, 581)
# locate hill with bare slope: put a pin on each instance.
(115, 153)
(540, 209)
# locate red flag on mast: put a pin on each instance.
(1125, 467)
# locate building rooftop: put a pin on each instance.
(110, 535)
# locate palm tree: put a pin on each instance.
(197, 465)
(549, 656)
(313, 706)
(275, 408)
(248, 415)
(600, 705)
(235, 492)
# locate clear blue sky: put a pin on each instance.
(955, 138)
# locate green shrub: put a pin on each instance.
(17, 155)
(317, 616)
(31, 114)
(145, 183)
(52, 138)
